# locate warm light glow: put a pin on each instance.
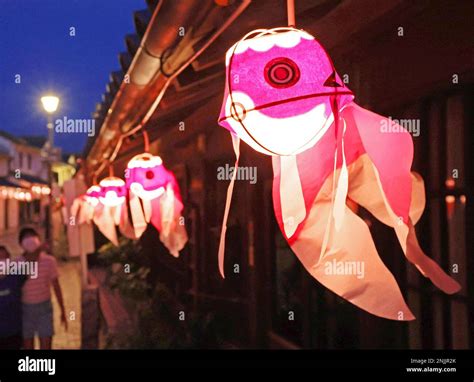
(50, 103)
(450, 183)
(138, 190)
(113, 190)
(146, 176)
(281, 103)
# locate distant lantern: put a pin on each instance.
(155, 198)
(92, 195)
(113, 191)
(147, 178)
(284, 98)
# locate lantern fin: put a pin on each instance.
(173, 235)
(293, 208)
(351, 267)
(387, 188)
(147, 209)
(366, 189)
(167, 210)
(103, 219)
(230, 189)
(138, 217)
(339, 206)
(125, 227)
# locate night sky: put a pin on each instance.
(35, 43)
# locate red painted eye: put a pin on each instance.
(281, 72)
(149, 174)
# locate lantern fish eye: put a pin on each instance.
(149, 174)
(281, 72)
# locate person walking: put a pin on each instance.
(36, 293)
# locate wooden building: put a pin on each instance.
(404, 59)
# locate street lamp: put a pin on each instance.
(50, 105)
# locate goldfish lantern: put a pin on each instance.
(155, 198)
(147, 178)
(284, 98)
(92, 195)
(110, 210)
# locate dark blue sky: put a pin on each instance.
(35, 43)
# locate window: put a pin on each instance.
(29, 161)
(20, 160)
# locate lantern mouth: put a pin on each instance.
(140, 191)
(145, 160)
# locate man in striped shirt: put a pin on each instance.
(36, 293)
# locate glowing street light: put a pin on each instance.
(50, 103)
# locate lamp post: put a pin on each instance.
(50, 105)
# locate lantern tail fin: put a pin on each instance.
(351, 266)
(366, 190)
(138, 217)
(103, 219)
(125, 227)
(230, 189)
(166, 218)
(293, 208)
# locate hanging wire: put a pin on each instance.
(290, 7)
(146, 141)
(111, 170)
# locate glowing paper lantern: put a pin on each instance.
(284, 98)
(155, 198)
(105, 206)
(147, 177)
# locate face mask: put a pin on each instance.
(31, 244)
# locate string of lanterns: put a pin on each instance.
(290, 103)
(153, 196)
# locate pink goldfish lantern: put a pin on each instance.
(284, 98)
(155, 198)
(83, 207)
(107, 201)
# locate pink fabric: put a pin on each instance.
(39, 289)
